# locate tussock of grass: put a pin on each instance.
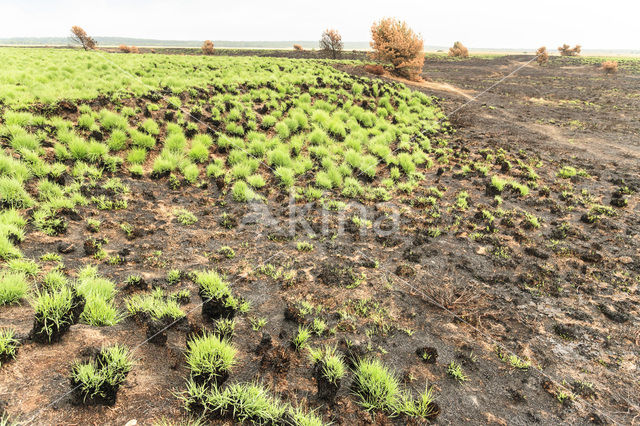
(377, 388)
(210, 356)
(52, 309)
(99, 295)
(8, 345)
(246, 403)
(13, 287)
(331, 362)
(103, 374)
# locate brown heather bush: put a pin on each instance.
(79, 36)
(458, 50)
(374, 69)
(298, 47)
(331, 42)
(393, 41)
(610, 67)
(207, 47)
(542, 56)
(128, 49)
(566, 50)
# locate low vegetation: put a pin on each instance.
(124, 196)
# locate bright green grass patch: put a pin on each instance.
(13, 287)
(8, 344)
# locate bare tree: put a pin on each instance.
(331, 42)
(79, 36)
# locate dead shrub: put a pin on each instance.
(374, 69)
(610, 67)
(393, 41)
(207, 47)
(566, 50)
(457, 297)
(128, 49)
(331, 42)
(298, 47)
(542, 56)
(458, 50)
(79, 36)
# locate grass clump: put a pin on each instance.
(455, 370)
(301, 338)
(216, 294)
(8, 345)
(98, 292)
(329, 363)
(378, 389)
(13, 287)
(155, 306)
(52, 313)
(498, 183)
(244, 402)
(150, 126)
(210, 358)
(13, 194)
(185, 217)
(26, 266)
(242, 192)
(375, 386)
(97, 381)
(304, 246)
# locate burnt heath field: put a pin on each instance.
(292, 239)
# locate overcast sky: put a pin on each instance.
(490, 23)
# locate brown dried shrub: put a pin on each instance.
(79, 36)
(458, 50)
(542, 56)
(128, 49)
(457, 297)
(393, 41)
(610, 67)
(298, 47)
(566, 50)
(374, 69)
(207, 47)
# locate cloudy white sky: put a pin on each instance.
(489, 23)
